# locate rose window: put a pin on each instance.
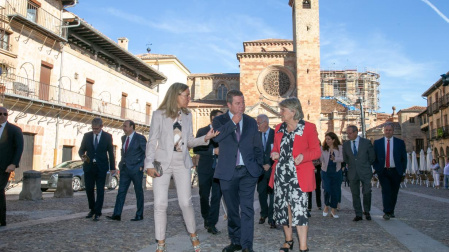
(276, 83)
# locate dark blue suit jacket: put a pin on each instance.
(267, 152)
(135, 156)
(11, 146)
(104, 155)
(399, 155)
(206, 153)
(250, 146)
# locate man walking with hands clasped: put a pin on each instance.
(358, 154)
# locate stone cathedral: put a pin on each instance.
(272, 70)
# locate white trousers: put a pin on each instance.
(436, 179)
(181, 176)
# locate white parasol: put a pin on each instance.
(422, 160)
(415, 167)
(429, 159)
(409, 163)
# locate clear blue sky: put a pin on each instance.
(406, 41)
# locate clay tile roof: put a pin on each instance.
(207, 103)
(156, 56)
(329, 105)
(414, 109)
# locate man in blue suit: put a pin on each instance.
(97, 152)
(131, 169)
(11, 148)
(206, 181)
(239, 168)
(390, 165)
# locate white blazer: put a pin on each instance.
(160, 141)
(325, 158)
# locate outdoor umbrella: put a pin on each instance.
(409, 163)
(429, 159)
(415, 167)
(422, 160)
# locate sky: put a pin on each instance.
(405, 41)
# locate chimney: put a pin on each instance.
(123, 43)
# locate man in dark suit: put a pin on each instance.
(267, 136)
(206, 182)
(358, 154)
(239, 168)
(131, 169)
(11, 148)
(390, 165)
(97, 152)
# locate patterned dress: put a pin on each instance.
(286, 187)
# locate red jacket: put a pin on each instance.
(309, 146)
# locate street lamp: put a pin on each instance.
(362, 115)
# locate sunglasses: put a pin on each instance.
(5, 114)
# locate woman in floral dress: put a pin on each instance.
(295, 146)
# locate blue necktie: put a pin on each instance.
(237, 134)
(96, 141)
(264, 141)
(355, 148)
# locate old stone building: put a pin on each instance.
(274, 69)
(59, 72)
(434, 121)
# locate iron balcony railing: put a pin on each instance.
(34, 13)
(24, 87)
(435, 107)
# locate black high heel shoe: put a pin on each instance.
(290, 246)
(306, 250)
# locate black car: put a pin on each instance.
(49, 178)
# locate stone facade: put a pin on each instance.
(54, 82)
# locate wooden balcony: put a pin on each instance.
(21, 87)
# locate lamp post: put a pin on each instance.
(362, 115)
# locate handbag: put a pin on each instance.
(158, 167)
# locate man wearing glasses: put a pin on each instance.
(97, 152)
(11, 148)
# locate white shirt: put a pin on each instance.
(391, 152)
(446, 169)
(2, 128)
(241, 127)
(130, 138)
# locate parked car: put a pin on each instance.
(49, 178)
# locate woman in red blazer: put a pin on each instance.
(295, 146)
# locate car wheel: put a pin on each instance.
(44, 189)
(113, 184)
(76, 184)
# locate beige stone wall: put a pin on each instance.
(256, 47)
(307, 47)
(204, 87)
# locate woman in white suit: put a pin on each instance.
(331, 159)
(170, 138)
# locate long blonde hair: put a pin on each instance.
(170, 102)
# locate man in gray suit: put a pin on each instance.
(358, 154)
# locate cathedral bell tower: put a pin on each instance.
(306, 45)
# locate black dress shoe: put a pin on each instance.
(262, 220)
(206, 224)
(137, 218)
(232, 247)
(392, 215)
(3, 224)
(90, 215)
(247, 250)
(273, 224)
(213, 230)
(114, 217)
(367, 216)
(96, 218)
(358, 218)
(386, 216)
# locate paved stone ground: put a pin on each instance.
(55, 224)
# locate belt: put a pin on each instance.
(390, 167)
(239, 166)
